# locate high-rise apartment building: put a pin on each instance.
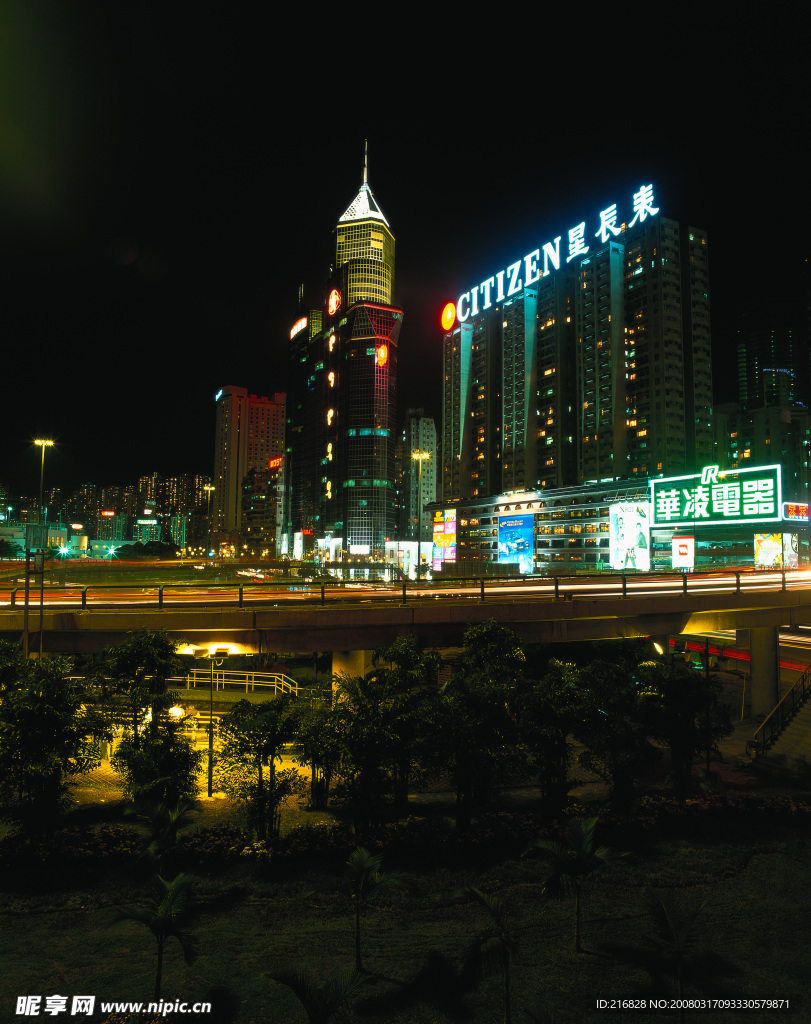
(343, 382)
(593, 366)
(774, 345)
(249, 432)
(418, 475)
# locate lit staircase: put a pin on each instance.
(782, 743)
(791, 752)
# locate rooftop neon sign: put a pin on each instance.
(546, 259)
(715, 496)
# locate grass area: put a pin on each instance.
(253, 921)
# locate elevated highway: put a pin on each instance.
(352, 626)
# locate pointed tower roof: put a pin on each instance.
(363, 207)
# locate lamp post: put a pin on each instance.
(218, 654)
(43, 445)
(420, 457)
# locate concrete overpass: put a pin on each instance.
(353, 631)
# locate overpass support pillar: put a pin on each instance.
(352, 663)
(764, 653)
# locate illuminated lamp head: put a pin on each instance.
(334, 302)
(382, 355)
(448, 318)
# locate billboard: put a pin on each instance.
(444, 538)
(796, 512)
(515, 541)
(683, 553)
(776, 551)
(404, 554)
(716, 497)
(629, 536)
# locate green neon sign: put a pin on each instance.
(715, 497)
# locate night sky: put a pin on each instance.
(169, 178)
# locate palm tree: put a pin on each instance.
(573, 861)
(162, 822)
(321, 1001)
(673, 955)
(166, 915)
(362, 875)
(491, 949)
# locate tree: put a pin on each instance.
(8, 549)
(573, 861)
(320, 1002)
(362, 876)
(687, 712)
(320, 746)
(548, 712)
(164, 769)
(253, 736)
(155, 763)
(615, 724)
(166, 914)
(492, 949)
(162, 822)
(48, 736)
(475, 733)
(409, 683)
(140, 669)
(380, 721)
(11, 665)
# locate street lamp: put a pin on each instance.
(43, 445)
(420, 457)
(216, 655)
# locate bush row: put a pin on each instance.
(70, 853)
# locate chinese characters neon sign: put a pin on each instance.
(715, 496)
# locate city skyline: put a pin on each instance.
(172, 269)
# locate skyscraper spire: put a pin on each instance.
(365, 156)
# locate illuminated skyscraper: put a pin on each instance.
(345, 385)
(561, 370)
(364, 245)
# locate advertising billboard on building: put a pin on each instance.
(683, 554)
(444, 544)
(776, 551)
(629, 536)
(716, 497)
(796, 512)
(515, 541)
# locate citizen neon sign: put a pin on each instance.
(547, 258)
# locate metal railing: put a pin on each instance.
(562, 587)
(768, 732)
(275, 681)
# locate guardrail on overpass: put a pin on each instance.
(539, 610)
(559, 586)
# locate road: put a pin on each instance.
(531, 588)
